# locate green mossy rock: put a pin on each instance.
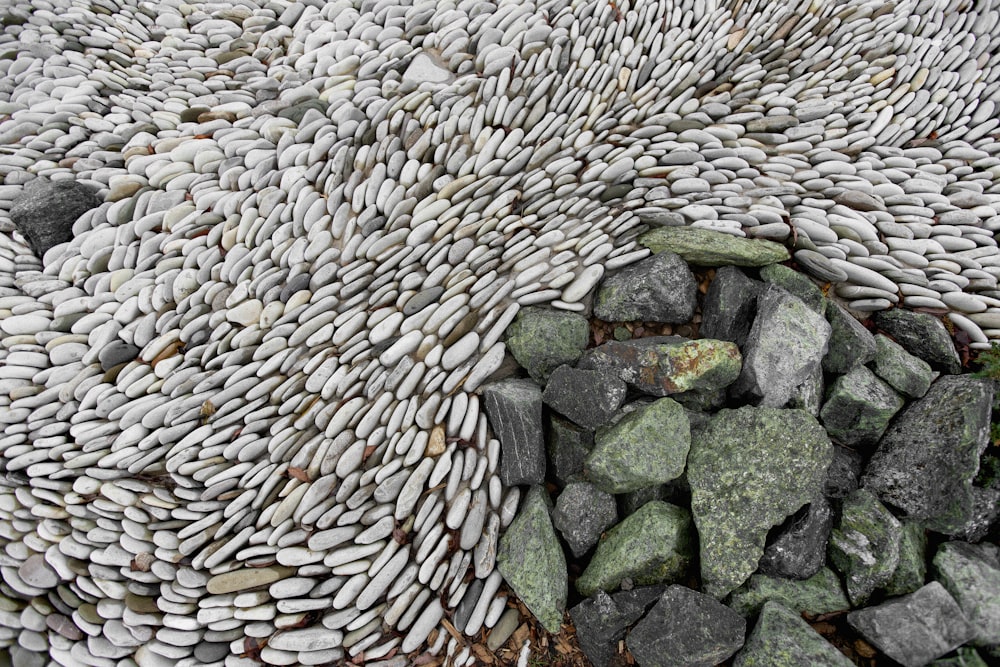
(850, 343)
(821, 593)
(782, 639)
(542, 339)
(858, 408)
(907, 374)
(864, 545)
(704, 247)
(798, 284)
(911, 573)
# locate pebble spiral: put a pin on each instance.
(240, 419)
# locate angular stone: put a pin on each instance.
(799, 550)
(660, 288)
(531, 561)
(985, 512)
(864, 545)
(601, 620)
(971, 574)
(929, 456)
(843, 474)
(654, 545)
(581, 514)
(730, 306)
(668, 365)
(914, 629)
(796, 284)
(647, 446)
(567, 445)
(922, 335)
(907, 374)
(686, 629)
(514, 408)
(749, 469)
(808, 396)
(782, 639)
(911, 573)
(588, 398)
(784, 347)
(542, 339)
(704, 247)
(851, 344)
(859, 407)
(964, 657)
(44, 212)
(822, 593)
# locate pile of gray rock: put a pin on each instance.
(711, 494)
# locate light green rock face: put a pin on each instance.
(858, 408)
(819, 594)
(749, 469)
(782, 639)
(911, 573)
(864, 546)
(651, 546)
(704, 247)
(909, 375)
(797, 284)
(971, 573)
(542, 339)
(531, 561)
(646, 447)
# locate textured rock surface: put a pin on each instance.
(514, 407)
(907, 374)
(922, 335)
(567, 446)
(971, 573)
(730, 306)
(799, 550)
(601, 620)
(911, 573)
(858, 407)
(581, 514)
(795, 283)
(851, 344)
(542, 339)
(588, 398)
(822, 593)
(782, 639)
(704, 247)
(45, 211)
(864, 545)
(660, 288)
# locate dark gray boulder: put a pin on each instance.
(858, 407)
(851, 344)
(843, 474)
(799, 549)
(601, 620)
(922, 335)
(730, 306)
(567, 445)
(44, 212)
(581, 514)
(588, 398)
(514, 408)
(971, 573)
(782, 639)
(660, 288)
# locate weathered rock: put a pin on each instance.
(633, 500)
(782, 639)
(588, 398)
(985, 513)
(843, 474)
(927, 459)
(911, 573)
(749, 469)
(964, 657)
(567, 445)
(971, 574)
(922, 335)
(864, 545)
(730, 306)
(914, 629)
(796, 284)
(668, 365)
(784, 347)
(531, 561)
(705, 247)
(601, 620)
(858, 407)
(514, 408)
(651, 546)
(660, 288)
(44, 212)
(808, 396)
(542, 339)
(581, 514)
(822, 593)
(851, 344)
(647, 446)
(907, 374)
(686, 629)
(799, 550)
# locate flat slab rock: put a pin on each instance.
(514, 408)
(704, 247)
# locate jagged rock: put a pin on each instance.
(704, 247)
(796, 284)
(843, 474)
(782, 639)
(914, 629)
(784, 347)
(748, 470)
(907, 374)
(864, 545)
(660, 288)
(985, 512)
(808, 396)
(514, 408)
(581, 514)
(567, 445)
(799, 550)
(911, 573)
(922, 335)
(971, 574)
(542, 339)
(588, 398)
(647, 446)
(927, 459)
(730, 306)
(531, 561)
(822, 593)
(668, 365)
(851, 344)
(651, 546)
(686, 629)
(601, 620)
(44, 212)
(859, 407)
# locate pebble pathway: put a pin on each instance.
(239, 412)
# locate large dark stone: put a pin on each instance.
(907, 374)
(843, 474)
(850, 343)
(799, 550)
(686, 629)
(782, 639)
(514, 408)
(922, 335)
(588, 398)
(567, 445)
(581, 514)
(45, 211)
(858, 407)
(660, 288)
(601, 620)
(928, 458)
(730, 306)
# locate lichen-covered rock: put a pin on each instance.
(782, 639)
(971, 573)
(704, 247)
(651, 546)
(864, 545)
(730, 306)
(821, 593)
(660, 288)
(581, 514)
(922, 335)
(514, 407)
(851, 344)
(542, 339)
(927, 459)
(531, 561)
(588, 398)
(911, 573)
(647, 446)
(858, 407)
(795, 283)
(799, 550)
(44, 212)
(907, 374)
(808, 396)
(749, 469)
(843, 474)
